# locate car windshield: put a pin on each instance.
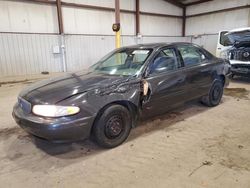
(228, 39)
(126, 62)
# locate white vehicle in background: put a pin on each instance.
(235, 46)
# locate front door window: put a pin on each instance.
(165, 61)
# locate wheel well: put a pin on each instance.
(132, 108)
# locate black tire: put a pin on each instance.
(112, 127)
(215, 94)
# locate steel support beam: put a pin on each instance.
(159, 15)
(117, 21)
(184, 17)
(137, 17)
(59, 16)
(61, 32)
(117, 11)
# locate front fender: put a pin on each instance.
(93, 101)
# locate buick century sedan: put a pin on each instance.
(129, 84)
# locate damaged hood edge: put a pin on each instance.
(58, 89)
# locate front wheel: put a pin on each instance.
(113, 126)
(215, 94)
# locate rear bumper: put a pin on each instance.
(54, 129)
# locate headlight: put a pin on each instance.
(55, 111)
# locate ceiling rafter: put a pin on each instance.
(181, 4)
(197, 2)
(52, 2)
(176, 3)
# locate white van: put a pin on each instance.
(234, 45)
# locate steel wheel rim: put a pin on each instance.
(114, 127)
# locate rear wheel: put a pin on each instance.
(113, 126)
(215, 94)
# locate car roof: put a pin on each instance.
(156, 45)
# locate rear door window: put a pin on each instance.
(191, 55)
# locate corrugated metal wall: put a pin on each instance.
(210, 24)
(27, 17)
(155, 25)
(22, 54)
(209, 42)
(207, 27)
(97, 22)
(83, 51)
(88, 33)
(215, 5)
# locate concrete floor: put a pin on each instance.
(193, 146)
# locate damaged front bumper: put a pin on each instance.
(240, 68)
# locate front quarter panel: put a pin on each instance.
(222, 67)
(93, 101)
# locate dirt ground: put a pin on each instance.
(193, 146)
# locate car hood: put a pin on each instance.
(243, 43)
(236, 45)
(57, 89)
